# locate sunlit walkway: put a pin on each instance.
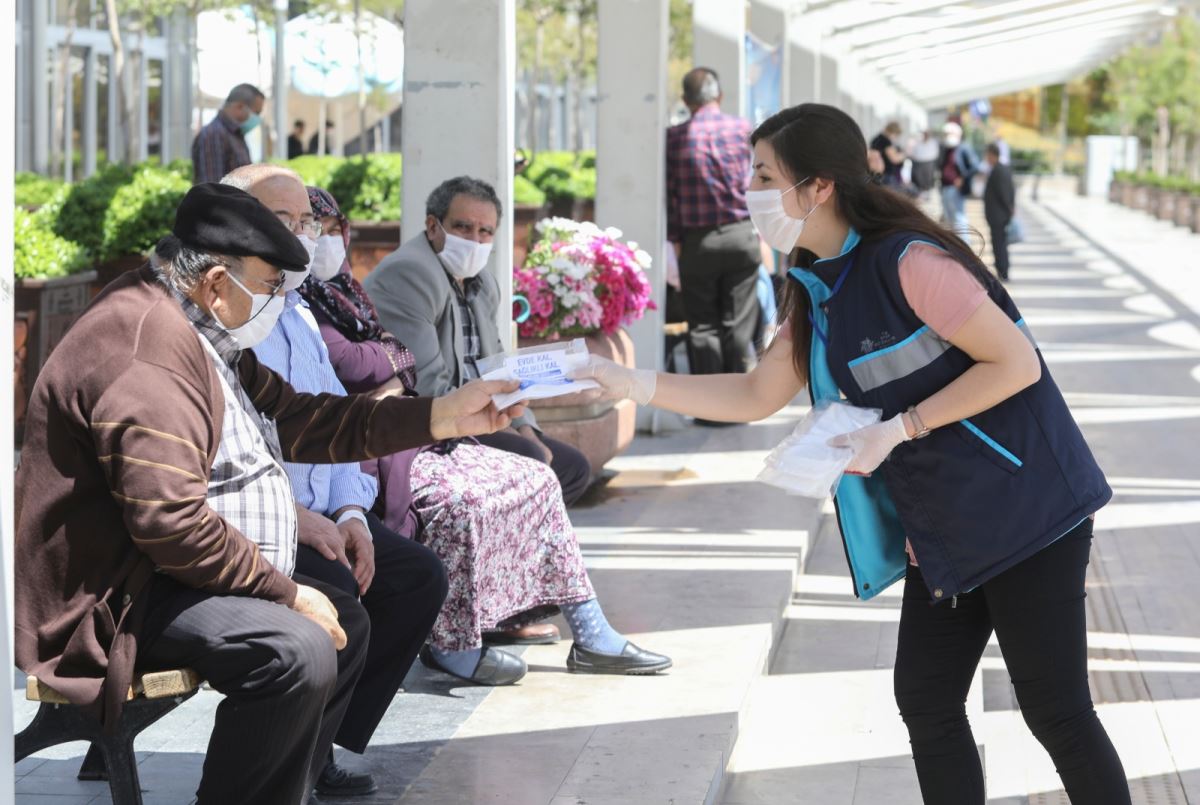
(782, 688)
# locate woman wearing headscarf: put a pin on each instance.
(496, 519)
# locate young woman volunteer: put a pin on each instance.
(977, 461)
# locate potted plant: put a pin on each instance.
(53, 276)
(1141, 192)
(1195, 205)
(583, 281)
(1116, 188)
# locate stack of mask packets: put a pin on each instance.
(544, 371)
(804, 463)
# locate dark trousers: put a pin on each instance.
(572, 467)
(402, 603)
(1037, 611)
(718, 269)
(1000, 247)
(286, 688)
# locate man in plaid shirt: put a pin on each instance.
(220, 147)
(708, 170)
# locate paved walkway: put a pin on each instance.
(692, 557)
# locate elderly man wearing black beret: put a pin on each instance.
(150, 402)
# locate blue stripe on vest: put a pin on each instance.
(990, 442)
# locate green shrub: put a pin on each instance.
(564, 175)
(1124, 176)
(526, 193)
(366, 190)
(316, 170)
(34, 190)
(38, 253)
(142, 212)
(77, 213)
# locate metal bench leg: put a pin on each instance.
(54, 724)
(121, 764)
(93, 765)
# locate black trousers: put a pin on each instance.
(572, 467)
(402, 603)
(286, 688)
(718, 269)
(1036, 609)
(1000, 248)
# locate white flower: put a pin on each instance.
(642, 256)
(554, 279)
(632, 245)
(559, 290)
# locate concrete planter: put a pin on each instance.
(21, 328)
(600, 429)
(1196, 214)
(50, 307)
(1183, 208)
(1164, 205)
(1115, 190)
(1141, 197)
(370, 242)
(1127, 191)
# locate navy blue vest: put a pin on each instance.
(975, 497)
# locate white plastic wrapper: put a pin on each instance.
(543, 371)
(804, 463)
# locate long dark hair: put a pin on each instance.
(815, 140)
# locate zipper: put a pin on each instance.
(954, 602)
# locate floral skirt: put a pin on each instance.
(498, 523)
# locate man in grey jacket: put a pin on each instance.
(433, 294)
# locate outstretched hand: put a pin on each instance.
(469, 410)
(618, 381)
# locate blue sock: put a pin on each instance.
(459, 662)
(591, 629)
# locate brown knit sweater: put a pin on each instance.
(121, 434)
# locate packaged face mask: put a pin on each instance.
(804, 463)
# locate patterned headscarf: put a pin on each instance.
(343, 301)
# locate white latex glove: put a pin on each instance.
(618, 381)
(872, 444)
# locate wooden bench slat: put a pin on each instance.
(154, 685)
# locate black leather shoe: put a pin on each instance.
(336, 781)
(632, 661)
(495, 667)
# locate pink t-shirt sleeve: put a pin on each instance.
(939, 289)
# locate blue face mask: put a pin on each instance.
(250, 123)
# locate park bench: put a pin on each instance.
(110, 756)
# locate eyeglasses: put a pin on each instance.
(304, 226)
(276, 285)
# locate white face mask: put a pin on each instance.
(464, 258)
(774, 225)
(330, 254)
(265, 310)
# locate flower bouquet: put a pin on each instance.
(580, 279)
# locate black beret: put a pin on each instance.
(221, 219)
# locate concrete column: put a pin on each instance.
(279, 87)
(804, 63)
(8, 108)
(830, 91)
(90, 113)
(719, 43)
(458, 113)
(630, 148)
(38, 66)
(177, 81)
(141, 78)
(769, 23)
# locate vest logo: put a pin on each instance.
(884, 339)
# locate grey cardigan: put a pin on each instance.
(416, 303)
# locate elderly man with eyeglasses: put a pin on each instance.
(155, 524)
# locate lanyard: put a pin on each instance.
(837, 286)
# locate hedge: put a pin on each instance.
(38, 253)
(34, 190)
(141, 212)
(366, 190)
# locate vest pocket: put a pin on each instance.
(991, 449)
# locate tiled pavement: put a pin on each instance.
(693, 558)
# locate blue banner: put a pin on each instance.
(764, 79)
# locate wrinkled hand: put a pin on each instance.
(531, 434)
(312, 604)
(319, 533)
(469, 411)
(361, 552)
(618, 381)
(872, 444)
